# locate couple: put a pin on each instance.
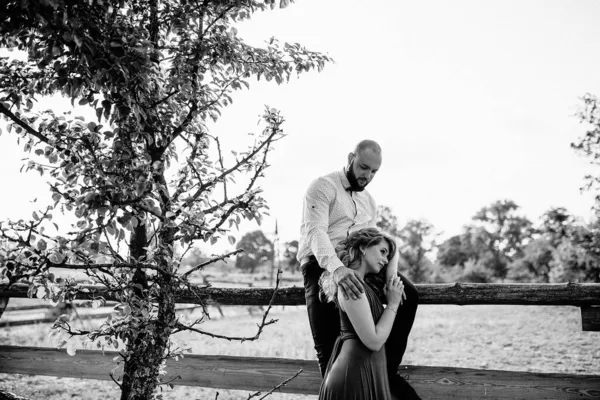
(349, 266)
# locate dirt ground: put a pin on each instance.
(518, 338)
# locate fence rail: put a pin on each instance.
(257, 373)
(254, 373)
(9, 320)
(557, 294)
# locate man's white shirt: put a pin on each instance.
(330, 213)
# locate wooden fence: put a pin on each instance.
(258, 373)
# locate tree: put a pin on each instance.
(452, 252)
(143, 177)
(467, 257)
(541, 256)
(536, 263)
(415, 240)
(565, 251)
(387, 220)
(257, 250)
(557, 225)
(578, 258)
(486, 248)
(589, 144)
(507, 234)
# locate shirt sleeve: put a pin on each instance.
(319, 196)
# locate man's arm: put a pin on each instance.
(315, 224)
(319, 196)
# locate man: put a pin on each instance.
(335, 205)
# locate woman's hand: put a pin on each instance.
(394, 291)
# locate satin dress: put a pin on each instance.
(354, 371)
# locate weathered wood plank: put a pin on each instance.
(10, 321)
(250, 373)
(28, 307)
(42, 306)
(438, 383)
(563, 294)
(590, 318)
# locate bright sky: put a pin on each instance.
(472, 102)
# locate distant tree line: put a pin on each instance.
(497, 245)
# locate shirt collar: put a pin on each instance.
(344, 179)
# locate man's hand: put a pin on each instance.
(347, 280)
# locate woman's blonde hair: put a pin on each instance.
(350, 254)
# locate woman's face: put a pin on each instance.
(376, 257)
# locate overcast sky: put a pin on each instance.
(472, 102)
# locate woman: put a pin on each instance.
(357, 369)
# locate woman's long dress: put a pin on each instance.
(354, 372)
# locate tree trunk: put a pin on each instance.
(148, 350)
(147, 346)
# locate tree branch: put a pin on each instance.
(243, 161)
(212, 260)
(222, 166)
(181, 327)
(279, 386)
(217, 19)
(164, 99)
(177, 131)
(230, 211)
(25, 126)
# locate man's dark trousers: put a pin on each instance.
(324, 319)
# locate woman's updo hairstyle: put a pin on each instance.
(349, 251)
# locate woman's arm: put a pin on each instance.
(372, 335)
(391, 270)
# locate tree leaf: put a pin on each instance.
(97, 303)
(41, 245)
(71, 350)
(40, 292)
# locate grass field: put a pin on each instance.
(519, 338)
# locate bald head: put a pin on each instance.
(363, 164)
(368, 144)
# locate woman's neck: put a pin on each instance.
(360, 271)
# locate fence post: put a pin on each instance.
(590, 318)
(3, 304)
